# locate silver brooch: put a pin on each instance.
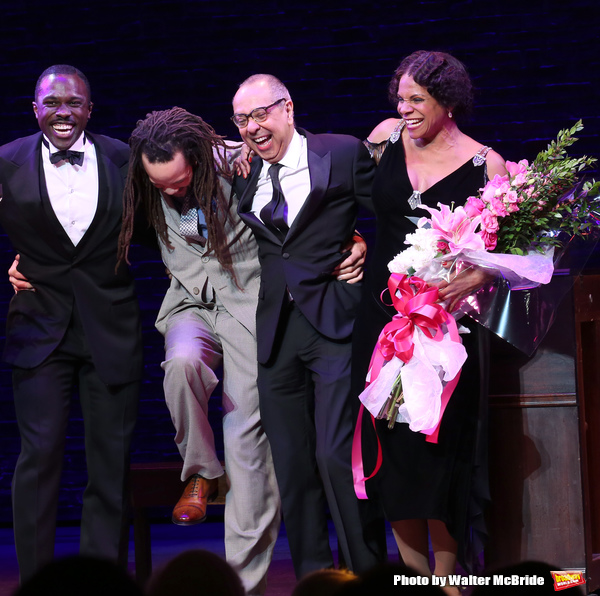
(479, 157)
(415, 199)
(478, 160)
(395, 136)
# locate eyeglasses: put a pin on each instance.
(258, 115)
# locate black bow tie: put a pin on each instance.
(73, 157)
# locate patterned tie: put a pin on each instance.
(274, 213)
(192, 223)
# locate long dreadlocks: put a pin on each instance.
(159, 137)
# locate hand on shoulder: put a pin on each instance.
(383, 130)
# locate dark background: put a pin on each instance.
(534, 64)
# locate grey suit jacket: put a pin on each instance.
(191, 266)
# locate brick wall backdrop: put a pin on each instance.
(534, 63)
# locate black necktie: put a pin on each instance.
(273, 213)
(75, 158)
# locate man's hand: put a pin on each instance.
(464, 283)
(351, 268)
(18, 280)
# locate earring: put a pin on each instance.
(449, 114)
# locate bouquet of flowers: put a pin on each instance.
(510, 228)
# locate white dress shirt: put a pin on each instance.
(293, 176)
(73, 190)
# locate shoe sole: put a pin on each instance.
(178, 522)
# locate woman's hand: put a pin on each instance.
(350, 269)
(18, 280)
(242, 163)
(464, 282)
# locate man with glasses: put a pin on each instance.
(177, 167)
(301, 200)
(179, 174)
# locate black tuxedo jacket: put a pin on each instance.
(67, 276)
(341, 173)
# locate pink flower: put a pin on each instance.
(474, 206)
(511, 197)
(497, 207)
(489, 240)
(519, 179)
(515, 169)
(442, 246)
(456, 228)
(503, 189)
(489, 221)
(491, 189)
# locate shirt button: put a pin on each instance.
(205, 259)
(286, 255)
(196, 291)
(71, 190)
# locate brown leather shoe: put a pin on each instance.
(191, 508)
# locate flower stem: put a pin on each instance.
(389, 410)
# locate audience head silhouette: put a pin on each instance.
(78, 575)
(196, 573)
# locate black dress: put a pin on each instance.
(419, 480)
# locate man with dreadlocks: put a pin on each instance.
(179, 176)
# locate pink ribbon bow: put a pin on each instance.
(415, 302)
(416, 305)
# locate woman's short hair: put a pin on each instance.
(445, 78)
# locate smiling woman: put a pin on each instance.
(62, 107)
(426, 489)
(423, 116)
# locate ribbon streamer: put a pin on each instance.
(417, 310)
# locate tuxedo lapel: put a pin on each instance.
(105, 199)
(109, 201)
(319, 167)
(34, 202)
(246, 190)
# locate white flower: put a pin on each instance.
(422, 250)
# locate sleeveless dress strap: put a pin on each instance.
(376, 149)
(479, 157)
(479, 160)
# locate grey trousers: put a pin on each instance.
(197, 341)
